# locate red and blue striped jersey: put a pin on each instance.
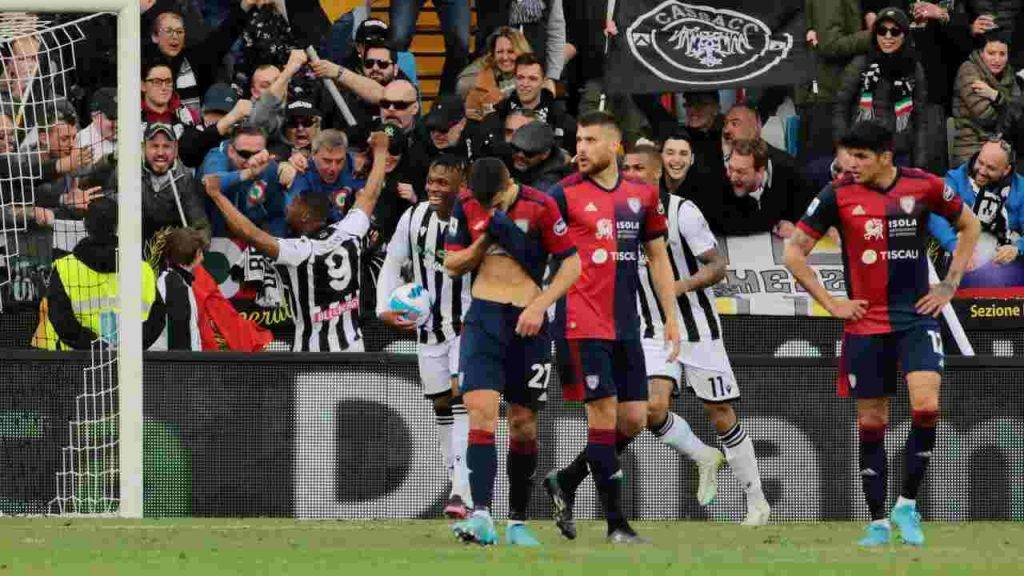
(884, 236)
(608, 227)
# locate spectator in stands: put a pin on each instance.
(988, 184)
(184, 252)
(170, 194)
(20, 65)
(446, 124)
(888, 84)
(988, 98)
(82, 295)
(217, 102)
(704, 125)
(301, 127)
(767, 196)
(194, 65)
(516, 119)
(1003, 15)
(263, 78)
(537, 160)
(101, 133)
(492, 77)
(683, 175)
(380, 63)
(331, 173)
(531, 94)
(248, 176)
(642, 162)
(400, 107)
(161, 105)
(454, 15)
(266, 38)
(268, 111)
(542, 23)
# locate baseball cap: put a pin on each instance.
(533, 138)
(301, 106)
(445, 112)
(895, 15)
(104, 100)
(155, 128)
(371, 28)
(698, 96)
(219, 98)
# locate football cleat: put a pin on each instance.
(561, 506)
(520, 535)
(477, 528)
(908, 521)
(876, 535)
(707, 471)
(455, 508)
(626, 535)
(758, 512)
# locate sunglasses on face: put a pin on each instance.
(395, 104)
(374, 63)
(303, 122)
(518, 150)
(890, 31)
(246, 154)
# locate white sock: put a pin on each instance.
(444, 439)
(677, 435)
(459, 441)
(901, 501)
(739, 453)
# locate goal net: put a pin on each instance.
(62, 188)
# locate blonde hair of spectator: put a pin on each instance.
(519, 43)
(757, 148)
(330, 139)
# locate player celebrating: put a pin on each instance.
(505, 348)
(419, 241)
(321, 267)
(697, 265)
(601, 359)
(882, 211)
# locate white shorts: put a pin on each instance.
(707, 369)
(438, 364)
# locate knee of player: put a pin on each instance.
(872, 420)
(657, 410)
(721, 414)
(522, 425)
(631, 426)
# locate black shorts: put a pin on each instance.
(605, 368)
(869, 363)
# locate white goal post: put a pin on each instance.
(129, 230)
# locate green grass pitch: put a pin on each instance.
(377, 548)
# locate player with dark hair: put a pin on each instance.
(504, 233)
(320, 267)
(600, 356)
(882, 212)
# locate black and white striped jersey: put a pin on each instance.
(688, 237)
(181, 328)
(419, 242)
(321, 275)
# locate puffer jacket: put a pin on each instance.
(975, 116)
(914, 140)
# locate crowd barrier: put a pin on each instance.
(350, 436)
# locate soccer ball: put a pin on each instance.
(412, 301)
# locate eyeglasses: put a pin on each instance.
(179, 32)
(375, 63)
(890, 31)
(160, 82)
(303, 122)
(246, 154)
(395, 104)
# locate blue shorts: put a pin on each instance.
(493, 357)
(605, 368)
(869, 363)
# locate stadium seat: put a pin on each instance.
(793, 135)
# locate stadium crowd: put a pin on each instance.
(229, 90)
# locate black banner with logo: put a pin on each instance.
(675, 45)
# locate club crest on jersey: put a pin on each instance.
(907, 204)
(604, 229)
(873, 229)
(853, 380)
(634, 205)
(560, 228)
(948, 193)
(592, 381)
(453, 226)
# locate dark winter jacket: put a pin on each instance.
(546, 174)
(549, 110)
(159, 208)
(785, 197)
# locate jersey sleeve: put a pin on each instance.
(694, 229)
(554, 232)
(356, 223)
(944, 201)
(293, 251)
(398, 253)
(821, 213)
(458, 230)
(655, 224)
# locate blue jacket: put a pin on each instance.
(342, 191)
(261, 200)
(958, 180)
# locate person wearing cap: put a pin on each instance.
(530, 93)
(446, 124)
(888, 85)
(537, 160)
(101, 133)
(170, 194)
(161, 105)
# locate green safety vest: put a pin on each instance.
(93, 298)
